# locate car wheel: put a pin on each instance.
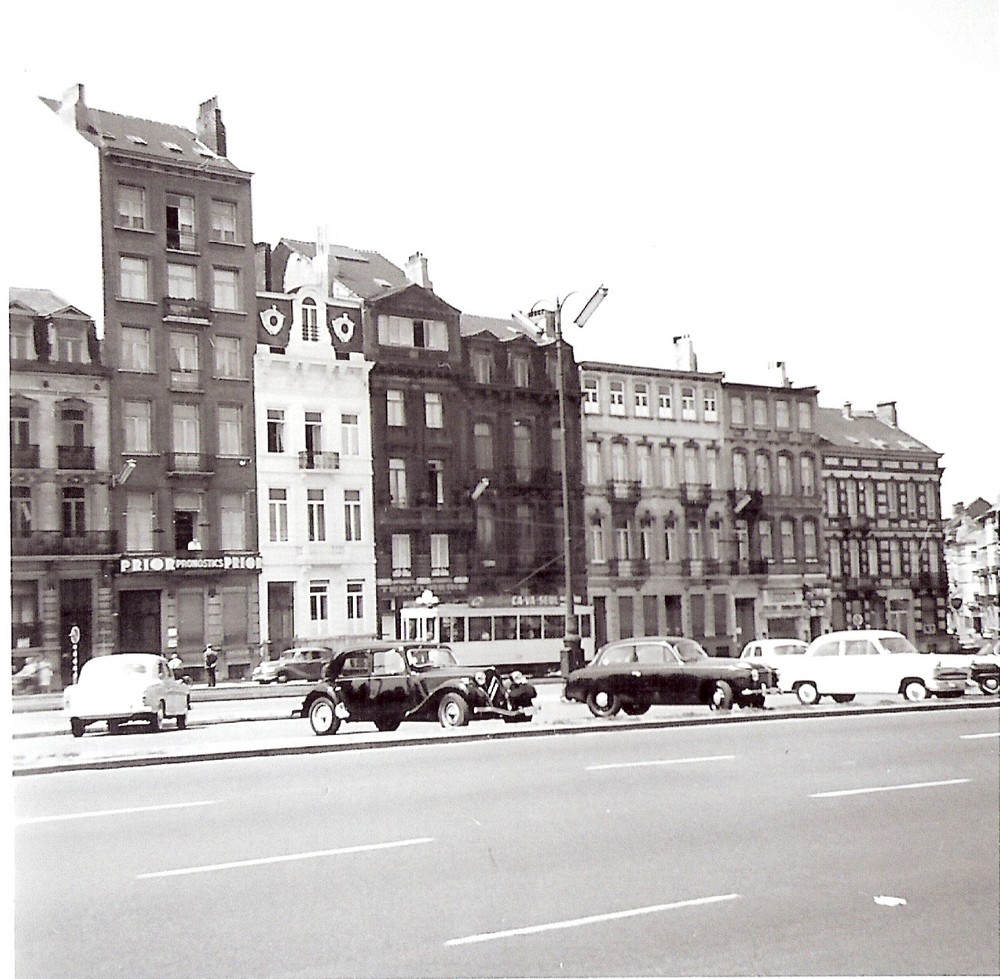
(76, 726)
(182, 721)
(807, 693)
(722, 696)
(453, 711)
(635, 707)
(388, 723)
(603, 703)
(843, 698)
(282, 678)
(323, 716)
(990, 685)
(914, 690)
(156, 721)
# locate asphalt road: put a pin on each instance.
(775, 848)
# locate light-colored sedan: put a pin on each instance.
(843, 664)
(772, 652)
(126, 687)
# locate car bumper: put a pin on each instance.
(760, 691)
(517, 713)
(946, 686)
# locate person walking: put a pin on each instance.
(211, 662)
(44, 675)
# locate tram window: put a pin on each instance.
(411, 629)
(554, 626)
(531, 627)
(505, 627)
(480, 627)
(452, 628)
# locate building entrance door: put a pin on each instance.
(139, 622)
(74, 610)
(746, 629)
(280, 616)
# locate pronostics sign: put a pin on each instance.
(170, 564)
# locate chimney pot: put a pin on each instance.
(211, 131)
(416, 271)
(886, 412)
(847, 410)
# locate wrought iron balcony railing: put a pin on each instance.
(55, 542)
(319, 460)
(190, 463)
(24, 456)
(187, 309)
(75, 456)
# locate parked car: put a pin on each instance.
(298, 663)
(843, 664)
(126, 687)
(771, 652)
(983, 665)
(634, 674)
(391, 682)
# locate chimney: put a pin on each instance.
(416, 271)
(210, 129)
(73, 108)
(847, 410)
(959, 509)
(684, 355)
(886, 413)
(778, 367)
(323, 259)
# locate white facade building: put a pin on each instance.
(972, 553)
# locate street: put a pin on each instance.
(785, 847)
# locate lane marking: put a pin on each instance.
(888, 788)
(988, 734)
(592, 919)
(282, 859)
(111, 812)
(665, 761)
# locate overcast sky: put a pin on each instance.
(813, 181)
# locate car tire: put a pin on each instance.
(156, 721)
(182, 721)
(388, 723)
(721, 697)
(807, 693)
(76, 726)
(914, 691)
(990, 685)
(281, 678)
(843, 698)
(634, 708)
(453, 711)
(323, 716)
(603, 703)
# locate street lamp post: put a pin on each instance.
(572, 651)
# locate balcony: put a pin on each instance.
(185, 380)
(76, 456)
(181, 241)
(24, 456)
(862, 584)
(190, 464)
(534, 476)
(55, 542)
(187, 309)
(25, 635)
(635, 567)
(319, 460)
(697, 495)
(624, 491)
(433, 519)
(693, 567)
(929, 581)
(756, 566)
(858, 525)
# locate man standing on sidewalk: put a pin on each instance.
(211, 661)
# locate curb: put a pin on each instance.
(326, 746)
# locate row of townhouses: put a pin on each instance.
(287, 442)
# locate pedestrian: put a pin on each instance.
(44, 674)
(211, 662)
(175, 662)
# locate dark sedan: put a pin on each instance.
(633, 674)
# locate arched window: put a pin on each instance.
(763, 464)
(310, 320)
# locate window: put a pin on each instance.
(349, 435)
(228, 357)
(694, 541)
(223, 221)
(669, 540)
(395, 409)
(785, 475)
(275, 430)
(644, 455)
(397, 482)
(556, 443)
(398, 331)
(616, 397)
(809, 548)
(187, 521)
(715, 540)
(711, 403)
(712, 466)
(597, 552)
(522, 451)
(226, 289)
(20, 425)
(805, 415)
(187, 434)
(20, 511)
(525, 535)
(74, 521)
(316, 514)
(432, 334)
(352, 515)
(737, 412)
(692, 465)
(184, 371)
(482, 435)
(140, 517)
(182, 281)
(72, 428)
(763, 465)
(646, 543)
(482, 367)
(485, 528)
(133, 278)
(781, 417)
(895, 558)
(439, 555)
(433, 410)
(687, 404)
(310, 320)
(401, 567)
(760, 413)
(740, 474)
(355, 600)
(665, 401)
(619, 462)
(22, 342)
(319, 600)
(136, 351)
(592, 462)
(131, 207)
(669, 466)
(623, 542)
(640, 392)
(520, 368)
(138, 418)
(742, 540)
(313, 436)
(787, 540)
(230, 430)
(180, 223)
(591, 397)
(69, 346)
(277, 515)
(807, 474)
(435, 482)
(766, 541)
(233, 522)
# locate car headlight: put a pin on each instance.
(480, 678)
(754, 675)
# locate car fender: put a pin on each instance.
(467, 690)
(323, 689)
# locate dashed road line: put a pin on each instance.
(988, 734)
(888, 788)
(111, 812)
(664, 761)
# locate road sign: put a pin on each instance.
(74, 635)
(858, 619)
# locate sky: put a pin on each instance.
(810, 181)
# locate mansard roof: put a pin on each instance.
(367, 274)
(504, 330)
(43, 302)
(864, 432)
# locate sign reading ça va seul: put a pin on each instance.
(169, 563)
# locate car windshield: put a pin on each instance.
(790, 649)
(689, 651)
(898, 644)
(430, 657)
(104, 668)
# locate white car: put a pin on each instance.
(772, 652)
(843, 664)
(126, 687)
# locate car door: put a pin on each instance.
(820, 667)
(864, 670)
(173, 693)
(680, 679)
(313, 665)
(390, 684)
(645, 682)
(354, 682)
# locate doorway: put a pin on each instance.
(75, 609)
(280, 616)
(139, 622)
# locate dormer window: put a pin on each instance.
(22, 342)
(310, 320)
(69, 346)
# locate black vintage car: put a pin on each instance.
(391, 682)
(633, 674)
